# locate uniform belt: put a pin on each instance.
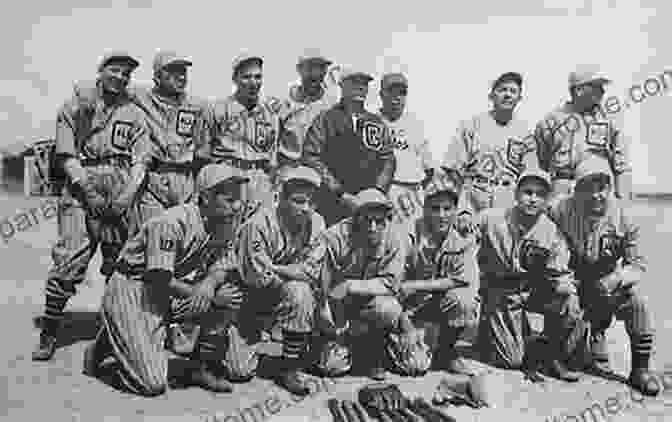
(492, 182)
(412, 185)
(264, 165)
(187, 167)
(111, 160)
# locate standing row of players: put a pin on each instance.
(129, 156)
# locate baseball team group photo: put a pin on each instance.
(332, 231)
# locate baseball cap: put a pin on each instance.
(514, 77)
(592, 166)
(538, 174)
(391, 79)
(117, 56)
(303, 173)
(584, 74)
(164, 58)
(243, 58)
(213, 174)
(371, 198)
(444, 181)
(349, 72)
(313, 54)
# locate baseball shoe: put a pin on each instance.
(295, 382)
(557, 369)
(205, 378)
(46, 347)
(644, 381)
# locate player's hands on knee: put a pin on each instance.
(608, 284)
(201, 298)
(229, 296)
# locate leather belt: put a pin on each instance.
(112, 160)
(264, 165)
(411, 185)
(186, 168)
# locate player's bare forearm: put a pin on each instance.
(372, 287)
(292, 272)
(436, 285)
(180, 288)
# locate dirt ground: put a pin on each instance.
(58, 391)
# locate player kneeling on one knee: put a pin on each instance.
(609, 264)
(152, 287)
(442, 273)
(358, 264)
(271, 244)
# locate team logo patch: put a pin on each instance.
(256, 246)
(263, 136)
(487, 166)
(515, 150)
(122, 135)
(399, 139)
(598, 134)
(167, 245)
(372, 135)
(185, 122)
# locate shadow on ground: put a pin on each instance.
(77, 326)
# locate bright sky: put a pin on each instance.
(451, 53)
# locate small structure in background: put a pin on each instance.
(27, 167)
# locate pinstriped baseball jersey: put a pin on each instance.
(565, 138)
(299, 115)
(246, 134)
(175, 241)
(411, 148)
(264, 241)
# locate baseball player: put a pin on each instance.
(609, 265)
(359, 264)
(157, 264)
(513, 280)
(269, 244)
(350, 148)
(579, 129)
(442, 272)
(96, 134)
(306, 100)
(246, 128)
(179, 125)
(411, 149)
(493, 148)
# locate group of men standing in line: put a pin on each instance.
(314, 210)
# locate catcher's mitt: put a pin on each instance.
(335, 359)
(382, 397)
(533, 257)
(240, 360)
(409, 353)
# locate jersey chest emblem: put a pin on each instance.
(264, 135)
(372, 134)
(122, 135)
(399, 139)
(487, 166)
(597, 134)
(185, 122)
(515, 150)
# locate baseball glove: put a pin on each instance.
(381, 397)
(335, 359)
(533, 257)
(409, 353)
(240, 360)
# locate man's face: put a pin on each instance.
(440, 213)
(312, 74)
(298, 201)
(589, 95)
(594, 192)
(172, 79)
(393, 98)
(506, 96)
(248, 80)
(531, 196)
(225, 203)
(355, 89)
(375, 222)
(115, 77)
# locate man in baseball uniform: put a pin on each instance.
(578, 130)
(609, 265)
(270, 243)
(442, 272)
(97, 132)
(246, 128)
(179, 125)
(158, 264)
(411, 149)
(351, 149)
(306, 100)
(492, 149)
(514, 280)
(359, 264)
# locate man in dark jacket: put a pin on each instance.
(351, 149)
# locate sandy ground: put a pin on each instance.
(58, 391)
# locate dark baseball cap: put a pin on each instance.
(514, 77)
(118, 57)
(391, 79)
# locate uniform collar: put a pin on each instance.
(298, 94)
(169, 100)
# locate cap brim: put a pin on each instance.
(179, 62)
(233, 180)
(247, 60)
(320, 60)
(358, 75)
(374, 205)
(120, 59)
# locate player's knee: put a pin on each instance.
(154, 389)
(459, 310)
(299, 294)
(387, 311)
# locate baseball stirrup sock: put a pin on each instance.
(294, 344)
(641, 347)
(56, 298)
